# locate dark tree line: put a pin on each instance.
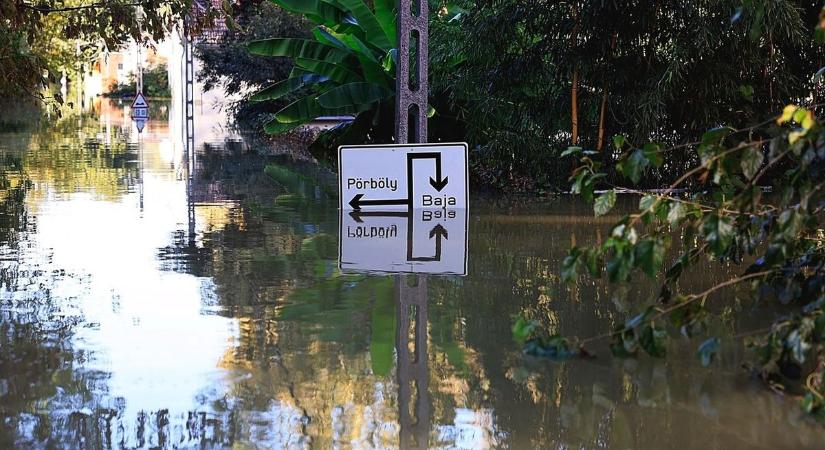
(537, 76)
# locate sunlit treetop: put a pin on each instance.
(39, 39)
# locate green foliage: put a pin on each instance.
(344, 70)
(728, 221)
(604, 203)
(155, 83)
(39, 40)
(660, 73)
(538, 344)
(231, 66)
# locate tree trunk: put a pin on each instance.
(603, 111)
(574, 94)
(575, 106)
(600, 144)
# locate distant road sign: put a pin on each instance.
(140, 111)
(417, 241)
(403, 177)
(140, 101)
(140, 123)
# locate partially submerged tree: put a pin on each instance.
(725, 217)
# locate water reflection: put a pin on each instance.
(418, 241)
(127, 322)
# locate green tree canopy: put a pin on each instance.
(40, 38)
(536, 76)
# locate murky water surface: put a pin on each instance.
(147, 304)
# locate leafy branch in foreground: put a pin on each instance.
(726, 218)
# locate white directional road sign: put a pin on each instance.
(403, 177)
(418, 241)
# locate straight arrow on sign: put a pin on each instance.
(438, 232)
(357, 203)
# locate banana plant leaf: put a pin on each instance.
(308, 108)
(368, 22)
(325, 37)
(385, 13)
(297, 48)
(373, 70)
(318, 11)
(354, 94)
(276, 127)
(281, 88)
(335, 72)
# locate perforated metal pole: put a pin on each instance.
(411, 350)
(411, 88)
(411, 81)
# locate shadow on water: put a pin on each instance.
(144, 306)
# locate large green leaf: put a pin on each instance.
(318, 11)
(325, 37)
(277, 90)
(370, 66)
(276, 127)
(718, 232)
(281, 88)
(354, 94)
(307, 109)
(335, 72)
(368, 22)
(385, 14)
(297, 48)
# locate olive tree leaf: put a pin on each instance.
(676, 213)
(752, 159)
(570, 266)
(646, 202)
(604, 203)
(649, 255)
(618, 268)
(634, 165)
(718, 232)
(653, 154)
(715, 135)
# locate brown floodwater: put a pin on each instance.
(148, 300)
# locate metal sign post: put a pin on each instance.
(140, 111)
(411, 89)
(411, 81)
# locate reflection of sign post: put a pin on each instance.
(405, 177)
(140, 111)
(420, 241)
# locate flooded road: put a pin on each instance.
(144, 305)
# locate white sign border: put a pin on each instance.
(435, 144)
(384, 272)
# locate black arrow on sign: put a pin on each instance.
(358, 214)
(438, 183)
(438, 231)
(357, 203)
